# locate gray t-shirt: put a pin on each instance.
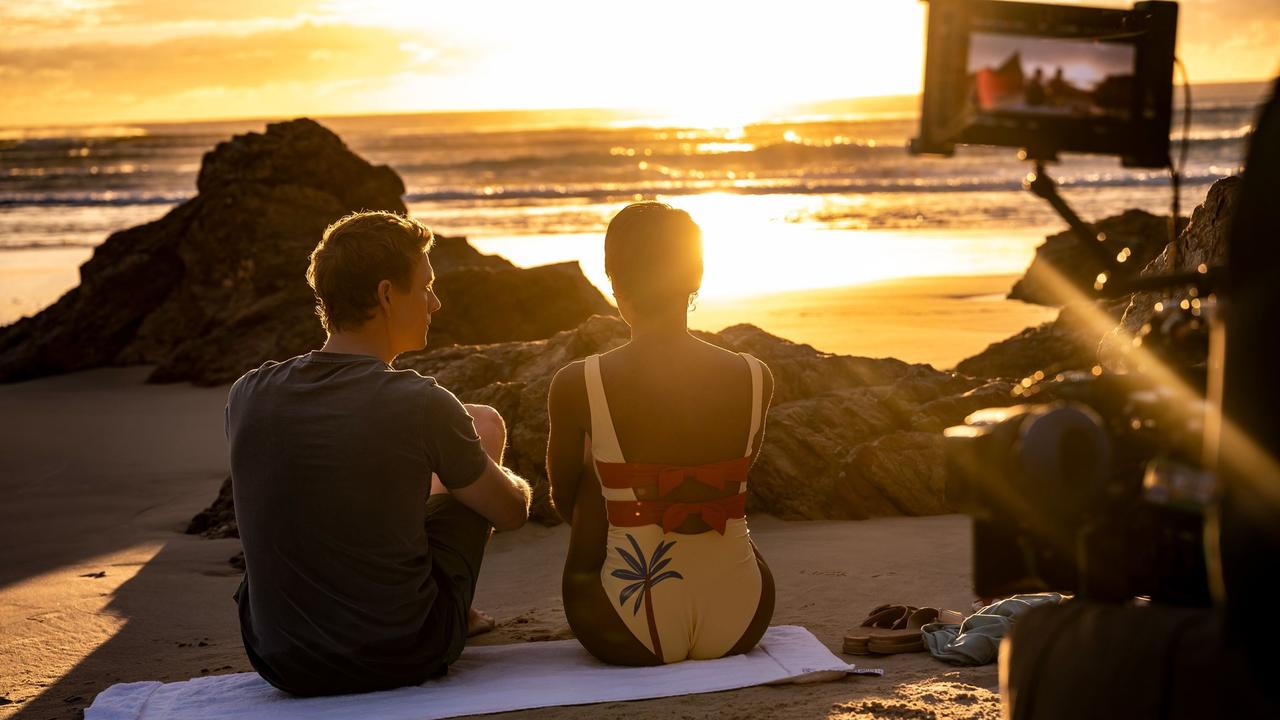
(331, 463)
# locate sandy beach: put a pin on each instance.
(98, 585)
(934, 320)
(35, 278)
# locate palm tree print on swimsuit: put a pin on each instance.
(645, 573)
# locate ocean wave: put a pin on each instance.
(793, 185)
(89, 199)
(828, 186)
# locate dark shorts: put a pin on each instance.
(456, 537)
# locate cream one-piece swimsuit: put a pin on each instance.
(684, 596)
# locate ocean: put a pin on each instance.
(827, 192)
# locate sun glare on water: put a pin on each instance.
(751, 248)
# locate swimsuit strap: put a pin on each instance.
(604, 440)
(757, 391)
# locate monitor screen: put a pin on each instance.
(1050, 76)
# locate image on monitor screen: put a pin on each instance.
(1030, 75)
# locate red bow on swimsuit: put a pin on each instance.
(713, 476)
(667, 513)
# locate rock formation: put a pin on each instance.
(217, 285)
(1063, 258)
(1087, 333)
(847, 437)
(827, 411)
(223, 270)
(1204, 242)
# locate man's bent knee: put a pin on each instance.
(491, 428)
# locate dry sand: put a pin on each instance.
(98, 585)
(935, 320)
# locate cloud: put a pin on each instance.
(151, 11)
(107, 74)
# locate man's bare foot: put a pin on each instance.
(479, 623)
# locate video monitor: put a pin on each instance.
(1049, 79)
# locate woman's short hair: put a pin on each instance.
(355, 254)
(653, 255)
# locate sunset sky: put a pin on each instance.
(104, 61)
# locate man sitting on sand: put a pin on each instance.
(364, 494)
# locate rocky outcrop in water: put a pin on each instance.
(1088, 333)
(1135, 235)
(217, 285)
(222, 270)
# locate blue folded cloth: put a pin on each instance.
(976, 641)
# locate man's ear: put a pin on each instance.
(384, 295)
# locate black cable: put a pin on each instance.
(1175, 172)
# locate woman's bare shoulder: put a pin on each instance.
(570, 379)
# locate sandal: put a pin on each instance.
(909, 638)
(883, 617)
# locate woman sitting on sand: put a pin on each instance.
(648, 456)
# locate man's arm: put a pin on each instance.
(470, 436)
(499, 495)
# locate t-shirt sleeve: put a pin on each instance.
(453, 445)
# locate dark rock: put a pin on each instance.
(937, 415)
(300, 154)
(198, 282)
(219, 519)
(796, 476)
(1101, 332)
(1203, 242)
(825, 408)
(801, 371)
(484, 305)
(901, 473)
(1064, 271)
(217, 286)
(1049, 347)
(455, 253)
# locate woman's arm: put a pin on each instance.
(766, 398)
(569, 416)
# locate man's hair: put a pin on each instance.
(653, 255)
(356, 253)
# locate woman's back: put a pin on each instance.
(680, 404)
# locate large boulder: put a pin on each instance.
(484, 305)
(1063, 269)
(217, 285)
(1089, 333)
(1069, 342)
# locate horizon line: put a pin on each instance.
(630, 111)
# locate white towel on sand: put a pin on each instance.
(486, 679)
